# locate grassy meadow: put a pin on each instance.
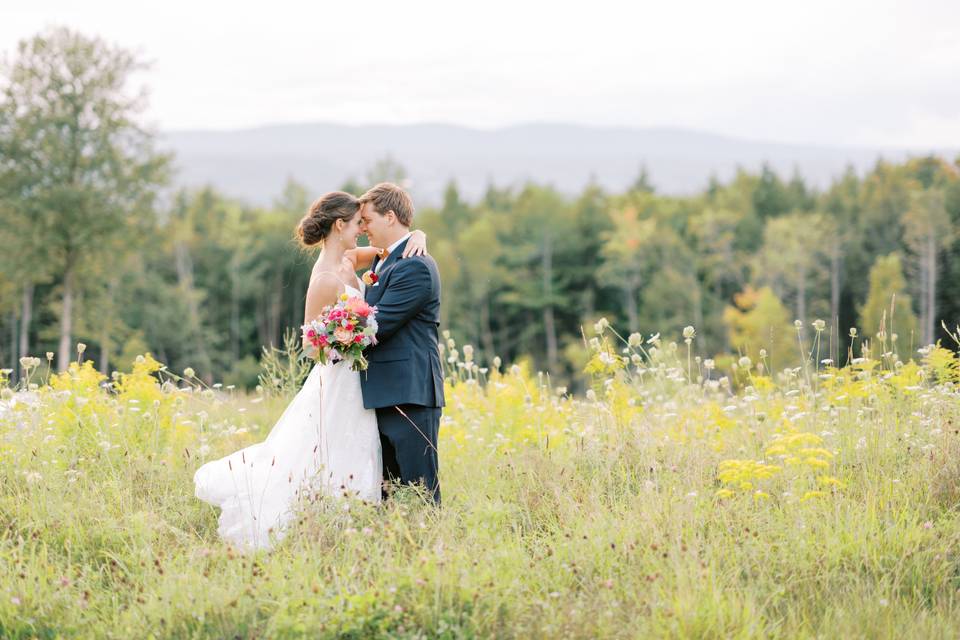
(672, 499)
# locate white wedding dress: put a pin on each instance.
(325, 442)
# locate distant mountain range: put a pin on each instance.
(254, 164)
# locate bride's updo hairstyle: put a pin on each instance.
(323, 213)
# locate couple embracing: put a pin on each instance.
(348, 433)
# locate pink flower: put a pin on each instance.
(359, 307)
(343, 336)
(323, 338)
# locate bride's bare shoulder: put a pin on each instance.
(324, 287)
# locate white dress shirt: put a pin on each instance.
(391, 249)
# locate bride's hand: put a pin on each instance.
(416, 245)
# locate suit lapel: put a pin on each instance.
(375, 293)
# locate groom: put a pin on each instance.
(404, 380)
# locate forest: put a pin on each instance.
(99, 246)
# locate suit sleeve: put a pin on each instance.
(408, 292)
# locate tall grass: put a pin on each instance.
(670, 501)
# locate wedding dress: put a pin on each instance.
(325, 441)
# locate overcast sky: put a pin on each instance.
(874, 72)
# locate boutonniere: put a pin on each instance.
(370, 278)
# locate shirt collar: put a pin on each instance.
(396, 244)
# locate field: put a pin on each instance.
(671, 499)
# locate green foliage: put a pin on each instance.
(888, 304)
(760, 321)
(77, 170)
(284, 369)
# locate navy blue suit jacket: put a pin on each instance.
(404, 365)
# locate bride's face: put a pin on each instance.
(350, 231)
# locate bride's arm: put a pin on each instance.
(362, 257)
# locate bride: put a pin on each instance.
(325, 441)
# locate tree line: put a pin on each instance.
(95, 247)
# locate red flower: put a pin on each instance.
(357, 339)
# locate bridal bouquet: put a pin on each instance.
(342, 331)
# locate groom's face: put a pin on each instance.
(376, 226)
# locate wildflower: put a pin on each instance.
(827, 481)
(15, 600)
(745, 362)
(689, 333)
(27, 363)
(515, 369)
(468, 353)
(81, 348)
(853, 332)
(819, 325)
(636, 360)
(208, 394)
(497, 362)
(635, 340)
(140, 360)
(810, 495)
(446, 334)
(927, 525)
(601, 325)
(189, 372)
(591, 395)
(724, 493)
(709, 364)
(798, 324)
(451, 343)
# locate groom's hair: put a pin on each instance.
(387, 196)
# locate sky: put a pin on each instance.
(865, 73)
